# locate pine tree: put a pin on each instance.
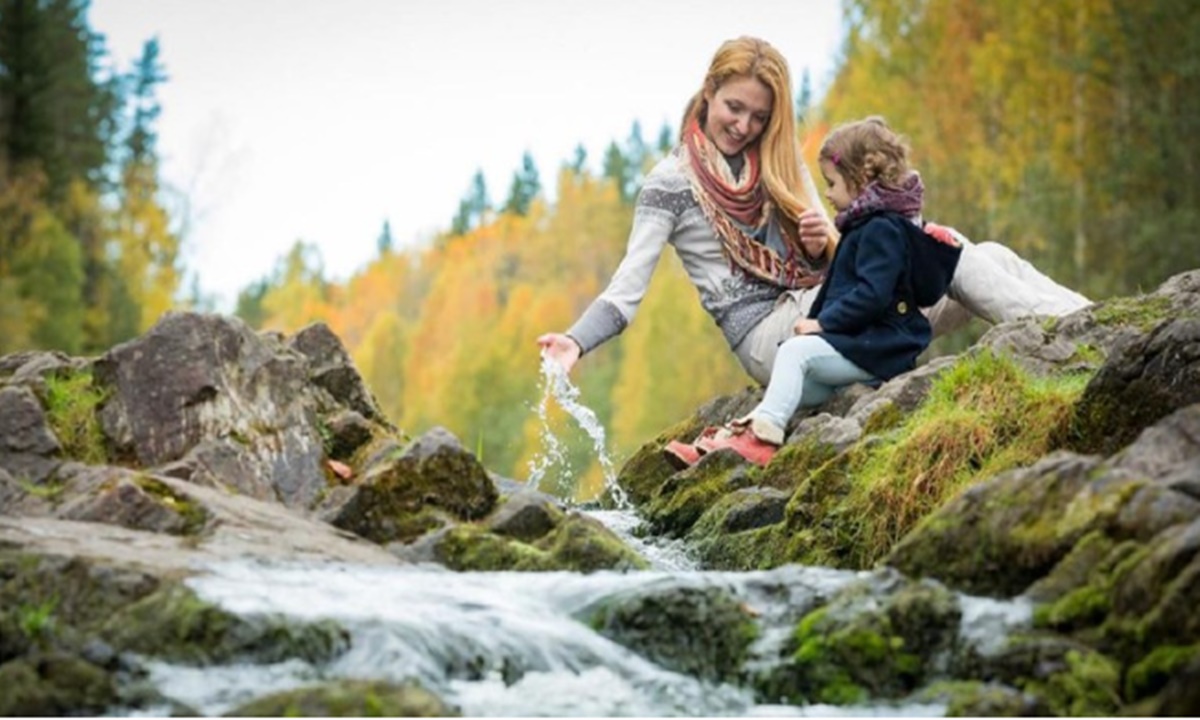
(384, 242)
(525, 187)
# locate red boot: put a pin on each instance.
(683, 455)
(745, 436)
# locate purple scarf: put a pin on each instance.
(907, 199)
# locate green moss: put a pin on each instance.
(470, 547)
(1089, 686)
(72, 401)
(704, 632)
(982, 416)
(174, 624)
(974, 698)
(1154, 671)
(1141, 312)
(583, 544)
(51, 491)
(1082, 607)
(1086, 354)
(684, 498)
(195, 517)
(883, 419)
(350, 698)
(55, 685)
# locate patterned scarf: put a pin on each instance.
(907, 199)
(730, 204)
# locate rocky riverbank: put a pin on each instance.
(1056, 463)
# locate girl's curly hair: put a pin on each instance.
(866, 151)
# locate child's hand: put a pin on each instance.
(807, 326)
(942, 234)
(814, 232)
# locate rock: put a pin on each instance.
(350, 698)
(696, 629)
(387, 502)
(193, 378)
(133, 500)
(222, 464)
(331, 368)
(348, 431)
(899, 396)
(754, 507)
(28, 448)
(1140, 383)
(877, 638)
(1013, 528)
(526, 516)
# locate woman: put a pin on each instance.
(742, 212)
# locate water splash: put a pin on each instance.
(555, 384)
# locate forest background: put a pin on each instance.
(1068, 130)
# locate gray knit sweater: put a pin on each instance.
(667, 213)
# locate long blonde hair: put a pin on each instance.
(778, 148)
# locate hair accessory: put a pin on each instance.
(835, 158)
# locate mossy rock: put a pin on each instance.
(1000, 536)
(704, 632)
(55, 684)
(685, 497)
(645, 472)
(584, 544)
(1069, 677)
(174, 624)
(975, 698)
(350, 698)
(1155, 671)
(870, 641)
(579, 543)
(1139, 384)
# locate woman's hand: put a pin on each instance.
(814, 232)
(807, 326)
(942, 234)
(560, 348)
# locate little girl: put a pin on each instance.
(865, 324)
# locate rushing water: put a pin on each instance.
(557, 386)
(513, 644)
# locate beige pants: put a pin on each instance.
(990, 282)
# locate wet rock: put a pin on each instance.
(879, 638)
(386, 503)
(350, 698)
(699, 630)
(755, 507)
(174, 624)
(28, 448)
(55, 684)
(973, 698)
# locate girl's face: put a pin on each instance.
(738, 113)
(839, 193)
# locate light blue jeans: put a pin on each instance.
(807, 371)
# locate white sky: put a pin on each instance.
(319, 119)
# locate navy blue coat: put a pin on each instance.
(884, 270)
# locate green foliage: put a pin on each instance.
(36, 619)
(983, 416)
(72, 401)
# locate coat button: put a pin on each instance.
(902, 307)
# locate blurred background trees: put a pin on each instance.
(1066, 130)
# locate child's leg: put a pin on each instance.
(807, 370)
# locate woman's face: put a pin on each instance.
(738, 113)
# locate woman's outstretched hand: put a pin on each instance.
(560, 348)
(814, 232)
